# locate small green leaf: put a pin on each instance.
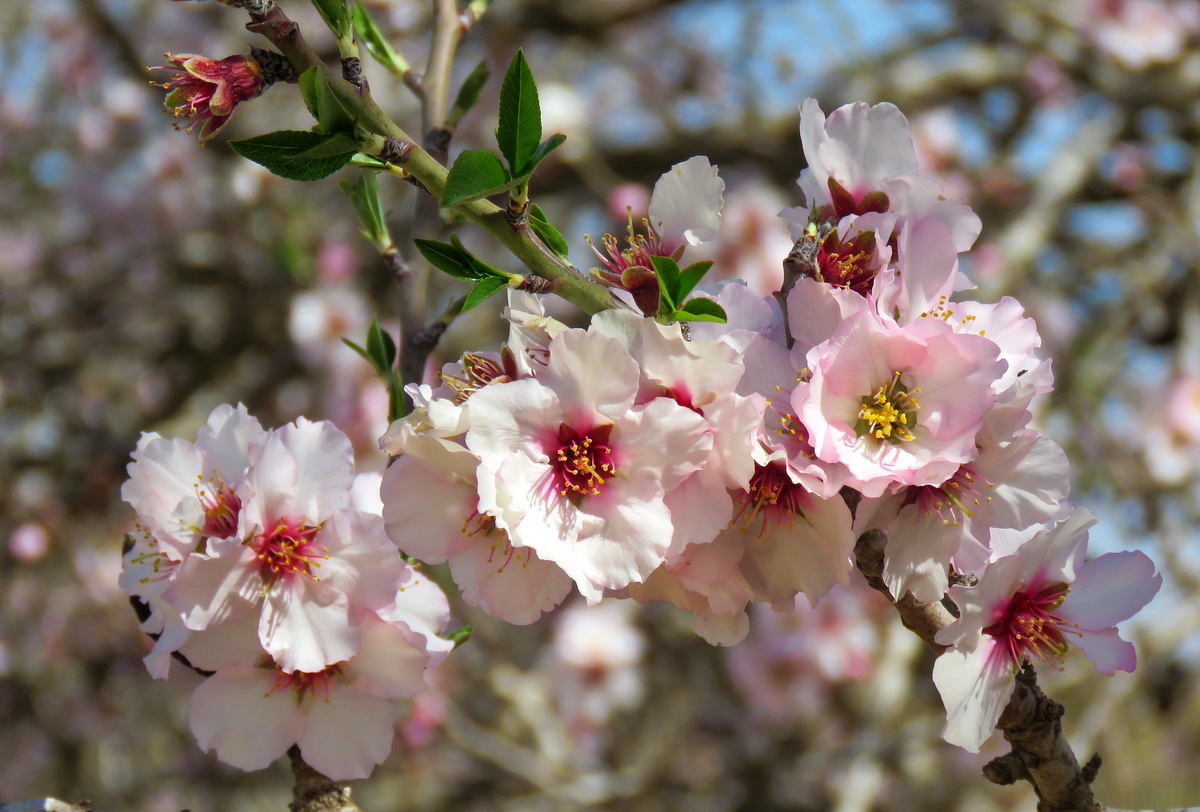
(365, 161)
(310, 89)
(336, 15)
(364, 194)
(376, 43)
(382, 349)
(690, 276)
(366, 355)
(482, 290)
(333, 145)
(448, 258)
(468, 94)
(545, 148)
(280, 153)
(667, 271)
(548, 234)
(701, 309)
(520, 125)
(476, 173)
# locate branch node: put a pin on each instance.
(536, 284)
(1006, 769)
(396, 151)
(352, 72)
(1091, 769)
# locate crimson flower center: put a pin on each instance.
(305, 683)
(221, 509)
(772, 497)
(583, 462)
(1030, 627)
(287, 550)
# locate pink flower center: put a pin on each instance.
(582, 462)
(1030, 628)
(304, 683)
(221, 508)
(890, 414)
(772, 497)
(288, 550)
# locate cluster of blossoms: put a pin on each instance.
(259, 560)
(707, 466)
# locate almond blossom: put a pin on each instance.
(1031, 606)
(572, 469)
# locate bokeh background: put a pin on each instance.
(143, 280)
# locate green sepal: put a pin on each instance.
(701, 309)
(667, 271)
(550, 236)
(460, 635)
(476, 173)
(280, 153)
(468, 94)
(376, 43)
(520, 124)
(690, 276)
(483, 289)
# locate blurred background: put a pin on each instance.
(143, 280)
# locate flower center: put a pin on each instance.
(304, 683)
(583, 463)
(1029, 628)
(288, 549)
(890, 414)
(953, 499)
(221, 507)
(772, 498)
(478, 372)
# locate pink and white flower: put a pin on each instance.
(572, 469)
(897, 406)
(340, 715)
(1031, 606)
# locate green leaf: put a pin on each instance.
(336, 15)
(701, 309)
(482, 290)
(667, 271)
(476, 173)
(548, 234)
(382, 349)
(376, 43)
(520, 126)
(337, 144)
(468, 94)
(364, 194)
(280, 153)
(690, 276)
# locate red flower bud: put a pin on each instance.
(206, 91)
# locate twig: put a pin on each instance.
(314, 792)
